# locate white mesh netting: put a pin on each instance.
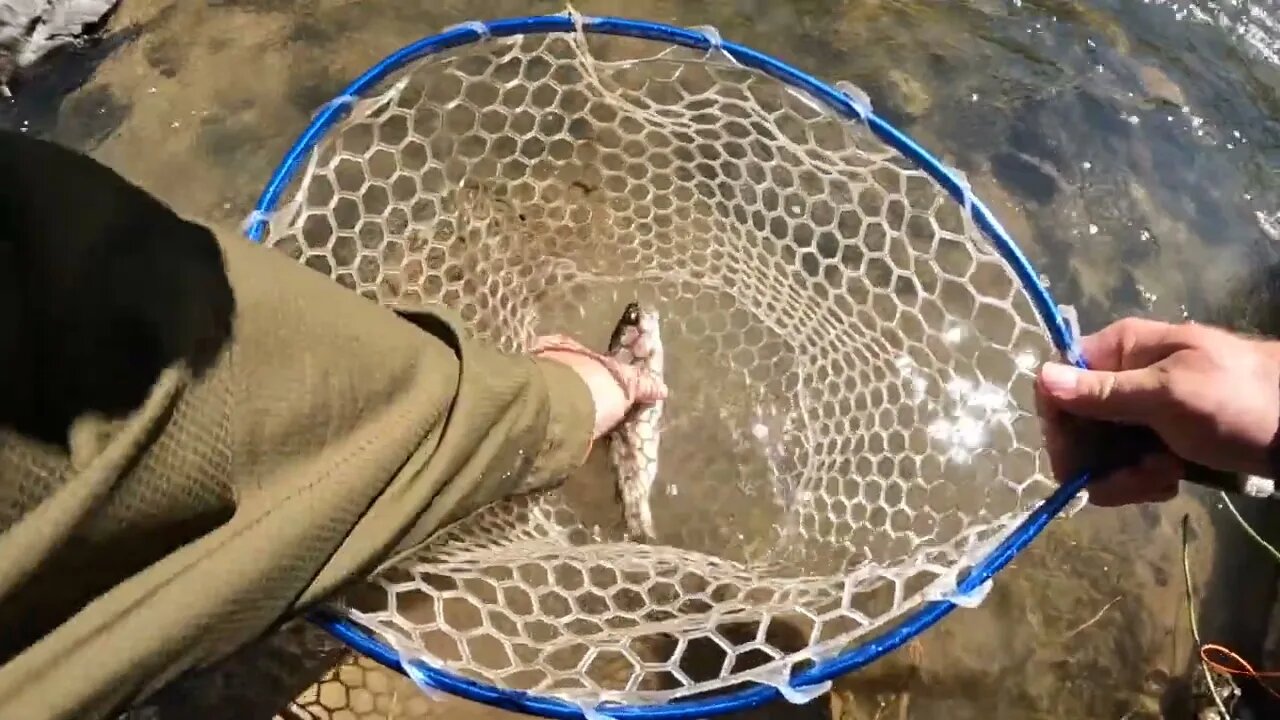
(850, 364)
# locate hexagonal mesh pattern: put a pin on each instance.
(360, 689)
(850, 363)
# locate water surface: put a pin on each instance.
(1131, 148)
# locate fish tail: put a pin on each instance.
(640, 519)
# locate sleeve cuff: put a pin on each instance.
(570, 421)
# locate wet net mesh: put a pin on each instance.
(850, 363)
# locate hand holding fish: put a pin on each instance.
(615, 387)
(629, 391)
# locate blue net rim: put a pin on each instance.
(851, 659)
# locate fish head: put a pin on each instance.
(637, 331)
(631, 314)
(646, 319)
(627, 329)
(646, 342)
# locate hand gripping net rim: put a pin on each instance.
(823, 665)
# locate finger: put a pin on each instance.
(1056, 427)
(1130, 487)
(644, 387)
(1132, 343)
(1153, 479)
(1166, 468)
(1130, 396)
(1120, 488)
(555, 342)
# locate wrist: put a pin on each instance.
(588, 369)
(1270, 349)
(1273, 448)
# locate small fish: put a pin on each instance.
(633, 446)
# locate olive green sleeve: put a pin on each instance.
(329, 433)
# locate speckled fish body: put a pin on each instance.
(633, 446)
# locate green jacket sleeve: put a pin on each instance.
(328, 434)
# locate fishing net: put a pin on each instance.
(850, 360)
(360, 689)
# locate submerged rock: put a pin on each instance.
(908, 93)
(1159, 86)
(31, 29)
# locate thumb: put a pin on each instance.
(642, 386)
(1129, 396)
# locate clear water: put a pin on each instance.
(1133, 148)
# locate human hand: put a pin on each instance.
(1213, 398)
(615, 387)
